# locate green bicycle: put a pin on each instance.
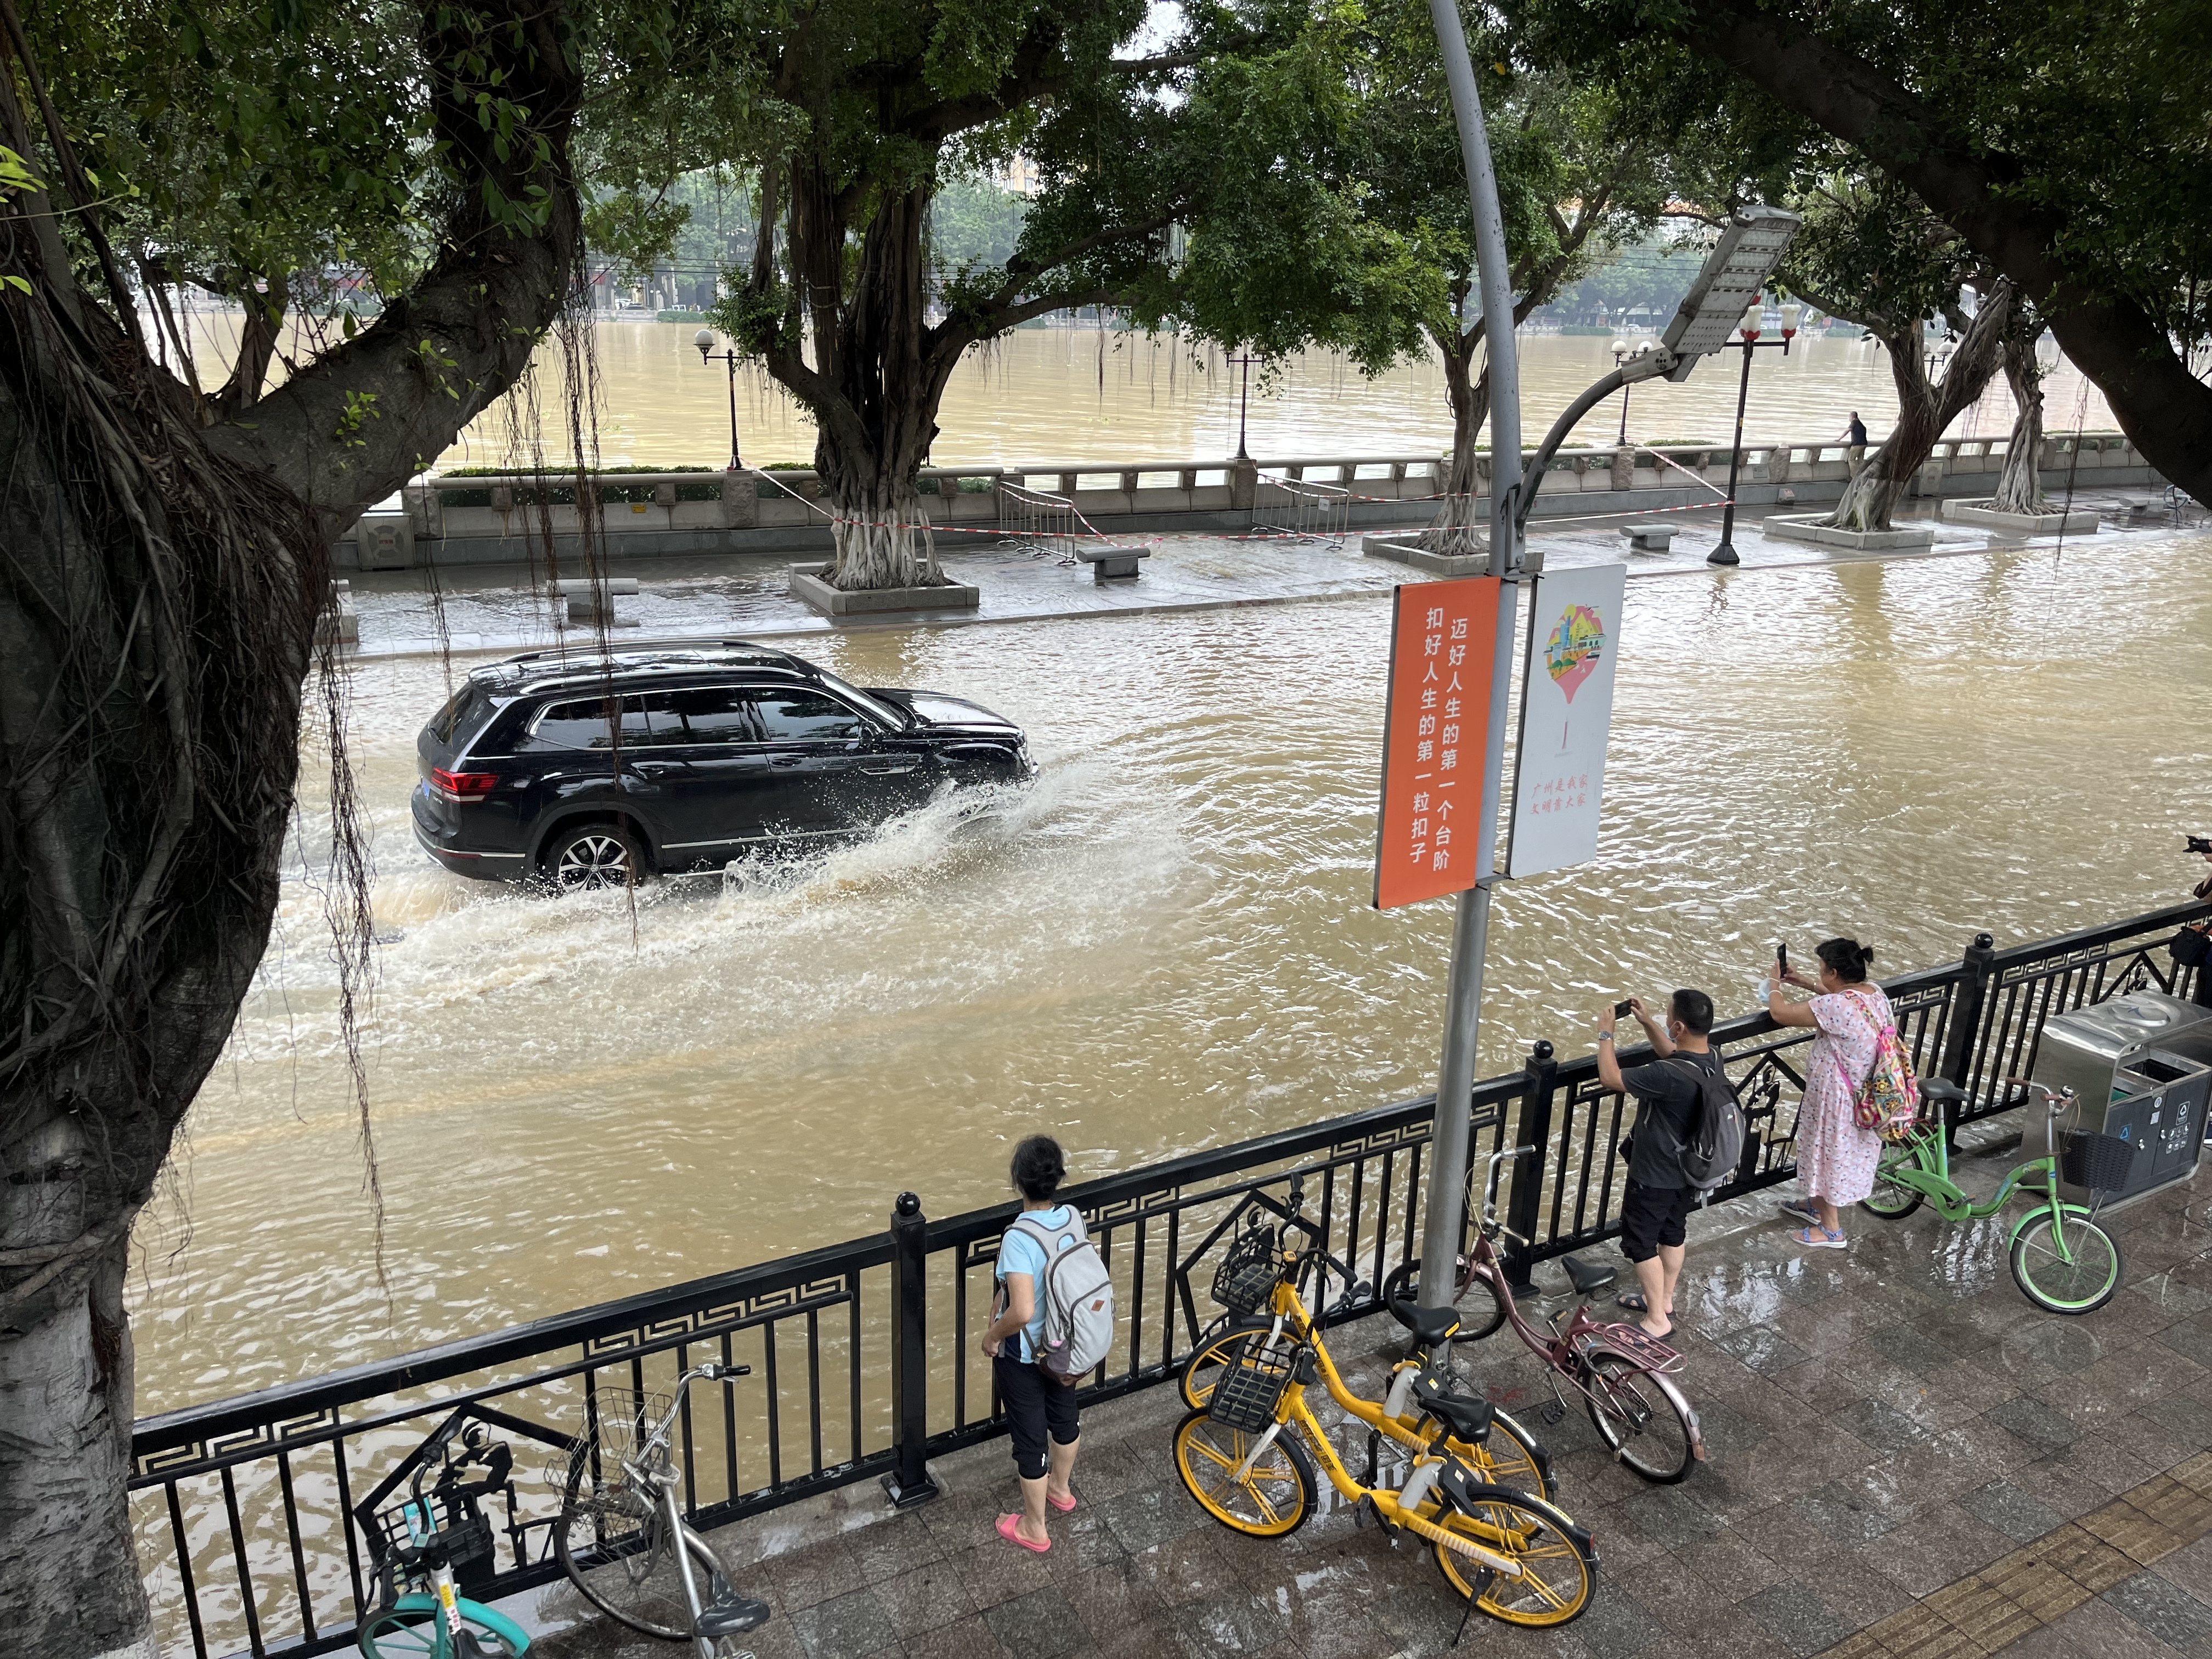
(2062, 1258)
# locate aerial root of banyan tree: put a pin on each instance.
(886, 547)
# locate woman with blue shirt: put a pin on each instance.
(1036, 1400)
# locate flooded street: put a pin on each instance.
(1167, 943)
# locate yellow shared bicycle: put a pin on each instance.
(1264, 1281)
(1248, 1450)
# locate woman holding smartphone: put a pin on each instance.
(1836, 1158)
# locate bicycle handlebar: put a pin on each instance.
(2060, 1099)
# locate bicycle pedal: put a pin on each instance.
(1552, 1412)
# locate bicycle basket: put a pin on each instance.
(614, 1430)
(417, 1522)
(1248, 1275)
(2101, 1162)
(1252, 1386)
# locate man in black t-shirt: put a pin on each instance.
(1668, 1097)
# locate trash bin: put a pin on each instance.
(2140, 1066)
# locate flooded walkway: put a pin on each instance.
(1908, 1460)
(506, 607)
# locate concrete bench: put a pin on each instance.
(584, 599)
(1649, 537)
(1108, 562)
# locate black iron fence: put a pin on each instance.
(863, 1353)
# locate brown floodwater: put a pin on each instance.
(1048, 394)
(1166, 943)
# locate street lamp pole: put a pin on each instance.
(1243, 402)
(704, 339)
(1754, 324)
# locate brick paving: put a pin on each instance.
(1908, 1461)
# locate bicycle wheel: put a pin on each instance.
(1273, 1499)
(2081, 1280)
(1889, 1201)
(612, 1541)
(1481, 1309)
(1559, 1572)
(1203, 1369)
(1641, 1419)
(1510, 1457)
(420, 1633)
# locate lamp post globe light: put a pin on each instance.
(704, 339)
(1752, 326)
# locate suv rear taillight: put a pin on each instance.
(463, 785)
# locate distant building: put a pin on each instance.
(1019, 177)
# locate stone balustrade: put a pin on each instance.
(472, 520)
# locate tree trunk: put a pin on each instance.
(157, 614)
(874, 386)
(2020, 486)
(1459, 526)
(1923, 411)
(2165, 410)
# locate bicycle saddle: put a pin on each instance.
(1430, 1325)
(1465, 1417)
(1941, 1089)
(1588, 1276)
(730, 1614)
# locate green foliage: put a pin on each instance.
(1340, 218)
(1870, 251)
(2089, 119)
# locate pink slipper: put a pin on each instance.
(1066, 1507)
(1006, 1525)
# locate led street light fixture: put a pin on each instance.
(1733, 278)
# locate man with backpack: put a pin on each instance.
(1054, 1324)
(1686, 1108)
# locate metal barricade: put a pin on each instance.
(1298, 511)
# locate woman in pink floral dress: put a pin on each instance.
(1836, 1158)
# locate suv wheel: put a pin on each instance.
(593, 857)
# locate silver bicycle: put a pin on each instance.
(621, 1537)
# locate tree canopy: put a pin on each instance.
(2065, 144)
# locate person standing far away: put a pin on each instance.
(1038, 1403)
(1855, 434)
(1836, 1158)
(1669, 1093)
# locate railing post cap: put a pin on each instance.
(1542, 1050)
(908, 1204)
(1983, 941)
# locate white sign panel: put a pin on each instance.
(1566, 715)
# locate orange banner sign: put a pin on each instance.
(1442, 642)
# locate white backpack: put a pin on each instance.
(1077, 1294)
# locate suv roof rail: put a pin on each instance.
(588, 656)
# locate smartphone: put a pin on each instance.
(1620, 1009)
(1781, 958)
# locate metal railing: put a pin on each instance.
(1300, 511)
(863, 1353)
(1038, 522)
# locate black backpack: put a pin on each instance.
(1714, 1144)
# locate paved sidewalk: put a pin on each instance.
(505, 608)
(1907, 1460)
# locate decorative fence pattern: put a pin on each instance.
(864, 1352)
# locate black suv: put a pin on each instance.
(593, 770)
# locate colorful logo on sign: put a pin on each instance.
(1572, 653)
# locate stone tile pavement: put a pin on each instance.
(1908, 1461)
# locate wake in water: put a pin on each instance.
(820, 926)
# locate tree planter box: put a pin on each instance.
(806, 583)
(1401, 549)
(1808, 527)
(2082, 521)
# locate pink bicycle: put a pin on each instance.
(1624, 1376)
